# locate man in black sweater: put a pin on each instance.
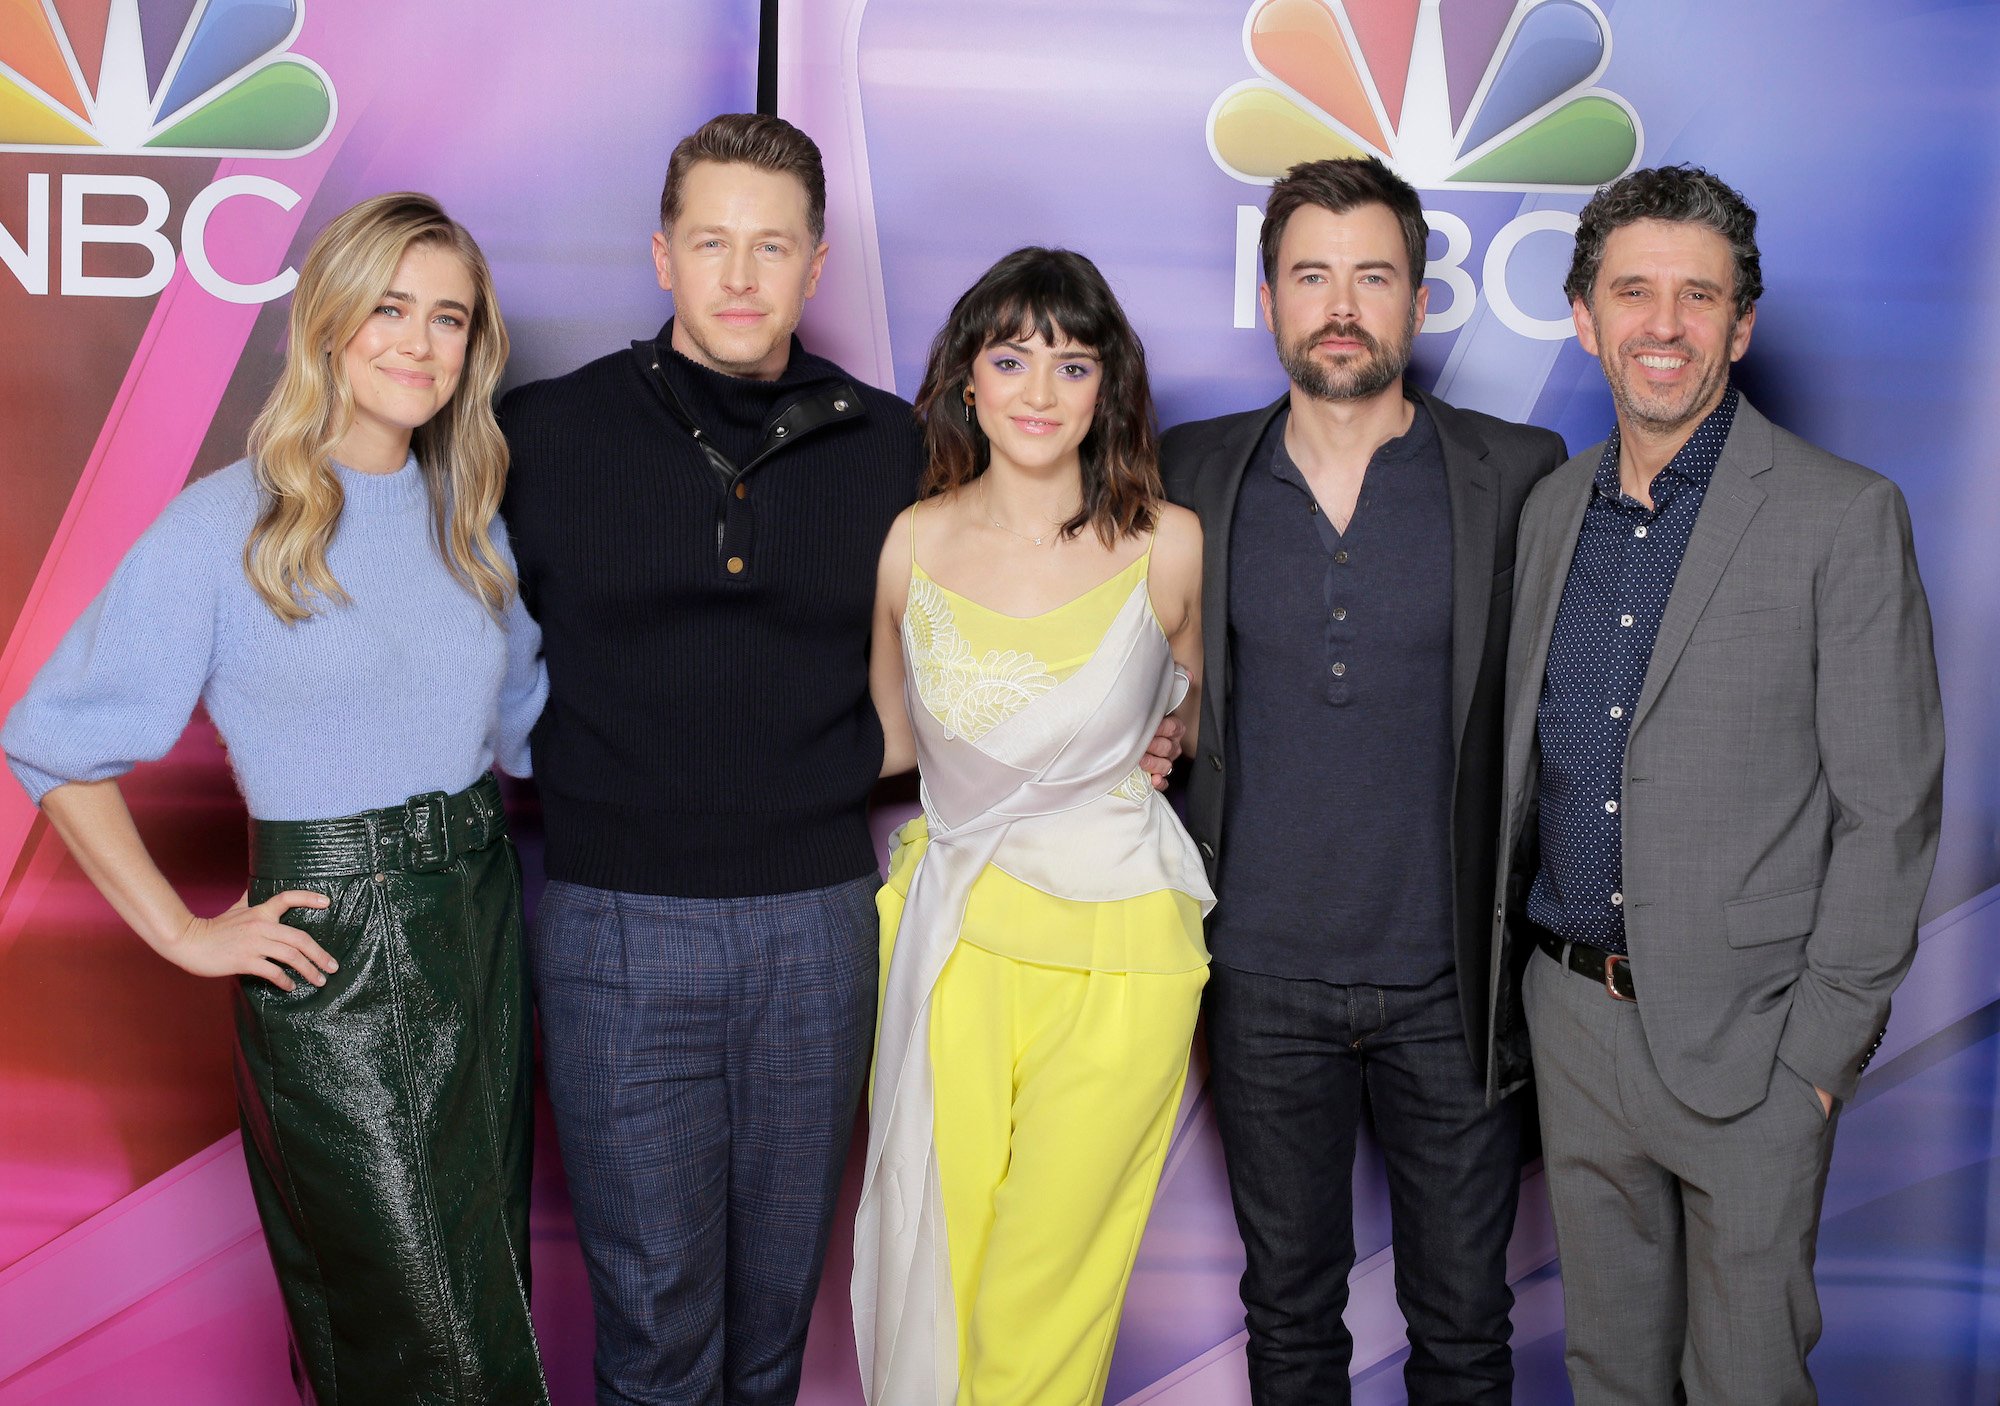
(1358, 570)
(697, 522)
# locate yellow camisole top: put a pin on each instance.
(975, 667)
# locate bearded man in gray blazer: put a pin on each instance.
(1723, 770)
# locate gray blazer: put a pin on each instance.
(1489, 466)
(1783, 772)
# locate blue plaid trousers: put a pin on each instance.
(705, 1058)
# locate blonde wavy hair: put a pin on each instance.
(460, 452)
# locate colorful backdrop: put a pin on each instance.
(163, 162)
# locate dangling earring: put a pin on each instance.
(968, 405)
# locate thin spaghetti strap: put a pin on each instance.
(1146, 577)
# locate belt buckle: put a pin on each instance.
(1612, 962)
(425, 843)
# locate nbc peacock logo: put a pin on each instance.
(1454, 94)
(159, 77)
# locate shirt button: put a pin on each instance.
(735, 565)
(1617, 712)
(1638, 532)
(1339, 670)
(1626, 621)
(1617, 900)
(1340, 558)
(1313, 507)
(1340, 612)
(742, 490)
(1611, 806)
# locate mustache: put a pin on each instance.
(1346, 331)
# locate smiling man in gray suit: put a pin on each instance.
(1723, 772)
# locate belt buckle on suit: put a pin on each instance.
(1614, 963)
(1613, 969)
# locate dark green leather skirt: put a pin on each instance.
(386, 1115)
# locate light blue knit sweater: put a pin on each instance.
(410, 688)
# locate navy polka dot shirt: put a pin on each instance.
(1627, 557)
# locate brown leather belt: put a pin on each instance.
(1611, 970)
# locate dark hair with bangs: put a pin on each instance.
(1058, 295)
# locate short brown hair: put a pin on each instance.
(749, 139)
(1338, 185)
(1054, 294)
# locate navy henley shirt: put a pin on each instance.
(1338, 806)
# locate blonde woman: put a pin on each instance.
(343, 604)
(1036, 614)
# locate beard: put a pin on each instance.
(1376, 368)
(1664, 413)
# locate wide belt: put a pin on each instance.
(1611, 970)
(422, 835)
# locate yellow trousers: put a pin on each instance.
(1056, 1095)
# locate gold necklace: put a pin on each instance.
(986, 506)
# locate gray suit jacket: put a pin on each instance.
(1489, 467)
(1783, 771)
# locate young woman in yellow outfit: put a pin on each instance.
(1038, 611)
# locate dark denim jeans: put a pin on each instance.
(704, 1058)
(1292, 1064)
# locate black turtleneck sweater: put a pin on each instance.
(708, 731)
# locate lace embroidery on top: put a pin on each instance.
(970, 695)
(973, 694)
(1136, 788)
